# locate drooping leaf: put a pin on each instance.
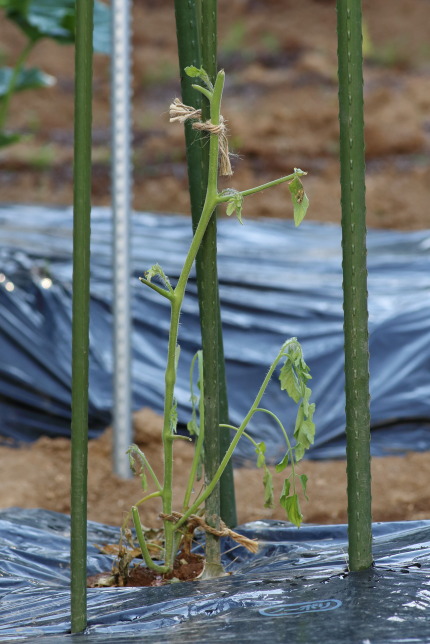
(261, 451)
(285, 490)
(157, 271)
(268, 488)
(299, 199)
(53, 19)
(135, 453)
(231, 207)
(282, 464)
(235, 204)
(31, 78)
(289, 381)
(292, 508)
(304, 481)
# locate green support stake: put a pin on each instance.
(196, 25)
(355, 282)
(80, 305)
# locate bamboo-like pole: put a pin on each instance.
(355, 282)
(80, 307)
(196, 32)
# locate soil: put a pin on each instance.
(281, 107)
(38, 475)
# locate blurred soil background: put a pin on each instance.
(281, 107)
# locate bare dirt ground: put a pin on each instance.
(281, 107)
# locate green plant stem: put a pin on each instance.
(176, 304)
(80, 310)
(142, 543)
(223, 197)
(212, 484)
(5, 102)
(355, 283)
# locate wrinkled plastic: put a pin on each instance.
(295, 589)
(275, 282)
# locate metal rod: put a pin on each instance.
(351, 116)
(121, 204)
(80, 310)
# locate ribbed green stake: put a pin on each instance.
(355, 282)
(196, 23)
(81, 298)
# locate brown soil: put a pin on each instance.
(281, 106)
(38, 475)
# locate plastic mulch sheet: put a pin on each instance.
(296, 589)
(275, 282)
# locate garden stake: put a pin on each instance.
(355, 282)
(210, 318)
(80, 306)
(193, 22)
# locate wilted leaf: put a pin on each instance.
(157, 271)
(299, 199)
(268, 488)
(292, 508)
(289, 381)
(283, 464)
(304, 481)
(261, 450)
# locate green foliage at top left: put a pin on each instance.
(40, 19)
(55, 19)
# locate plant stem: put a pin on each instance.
(223, 197)
(212, 484)
(176, 304)
(355, 283)
(142, 543)
(5, 102)
(80, 313)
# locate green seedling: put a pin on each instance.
(294, 373)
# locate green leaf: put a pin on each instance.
(299, 452)
(285, 490)
(231, 207)
(31, 78)
(268, 488)
(157, 271)
(261, 450)
(135, 453)
(292, 508)
(234, 204)
(304, 481)
(56, 20)
(283, 464)
(289, 381)
(299, 199)
(199, 72)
